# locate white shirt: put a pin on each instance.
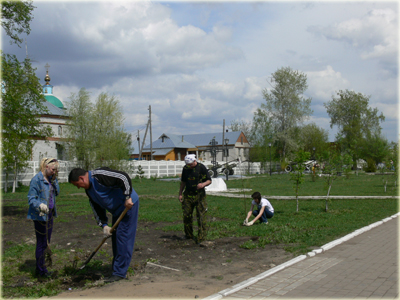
(264, 202)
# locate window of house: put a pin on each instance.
(59, 130)
(241, 140)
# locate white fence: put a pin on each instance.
(153, 168)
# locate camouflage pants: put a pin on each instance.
(199, 202)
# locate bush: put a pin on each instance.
(370, 167)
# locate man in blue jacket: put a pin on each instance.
(112, 190)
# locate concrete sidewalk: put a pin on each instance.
(363, 264)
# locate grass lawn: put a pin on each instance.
(310, 227)
(299, 232)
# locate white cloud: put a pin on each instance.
(253, 87)
(375, 34)
(197, 64)
(390, 111)
(323, 84)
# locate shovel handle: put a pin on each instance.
(119, 219)
(104, 239)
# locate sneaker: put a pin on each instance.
(187, 238)
(265, 223)
(113, 278)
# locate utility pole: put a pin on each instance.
(151, 135)
(223, 139)
(138, 140)
(144, 139)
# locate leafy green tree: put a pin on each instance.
(286, 107)
(96, 135)
(262, 136)
(140, 173)
(22, 105)
(297, 176)
(15, 19)
(393, 161)
(355, 120)
(80, 131)
(375, 146)
(313, 139)
(21, 93)
(112, 143)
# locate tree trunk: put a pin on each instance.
(15, 177)
(6, 183)
(354, 164)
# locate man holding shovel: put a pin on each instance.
(111, 190)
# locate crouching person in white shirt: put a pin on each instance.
(263, 212)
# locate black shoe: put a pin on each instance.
(113, 278)
(187, 238)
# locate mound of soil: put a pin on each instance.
(164, 264)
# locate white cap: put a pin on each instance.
(190, 158)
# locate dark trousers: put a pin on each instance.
(190, 202)
(43, 232)
(265, 216)
(123, 241)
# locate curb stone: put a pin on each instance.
(297, 259)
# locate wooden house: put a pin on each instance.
(176, 147)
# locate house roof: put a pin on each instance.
(171, 141)
(54, 100)
(204, 139)
(54, 110)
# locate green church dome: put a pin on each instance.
(54, 100)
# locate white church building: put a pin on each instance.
(56, 117)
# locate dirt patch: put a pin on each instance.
(165, 265)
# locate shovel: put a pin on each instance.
(102, 242)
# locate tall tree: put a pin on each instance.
(375, 146)
(112, 143)
(21, 93)
(313, 139)
(80, 143)
(22, 104)
(286, 106)
(96, 134)
(15, 19)
(355, 120)
(261, 135)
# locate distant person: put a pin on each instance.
(192, 194)
(263, 212)
(111, 190)
(43, 190)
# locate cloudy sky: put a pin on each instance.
(197, 64)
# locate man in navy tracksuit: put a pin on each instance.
(112, 190)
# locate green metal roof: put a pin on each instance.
(54, 100)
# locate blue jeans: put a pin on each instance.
(265, 216)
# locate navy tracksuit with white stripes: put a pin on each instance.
(108, 191)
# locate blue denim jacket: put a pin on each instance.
(39, 192)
